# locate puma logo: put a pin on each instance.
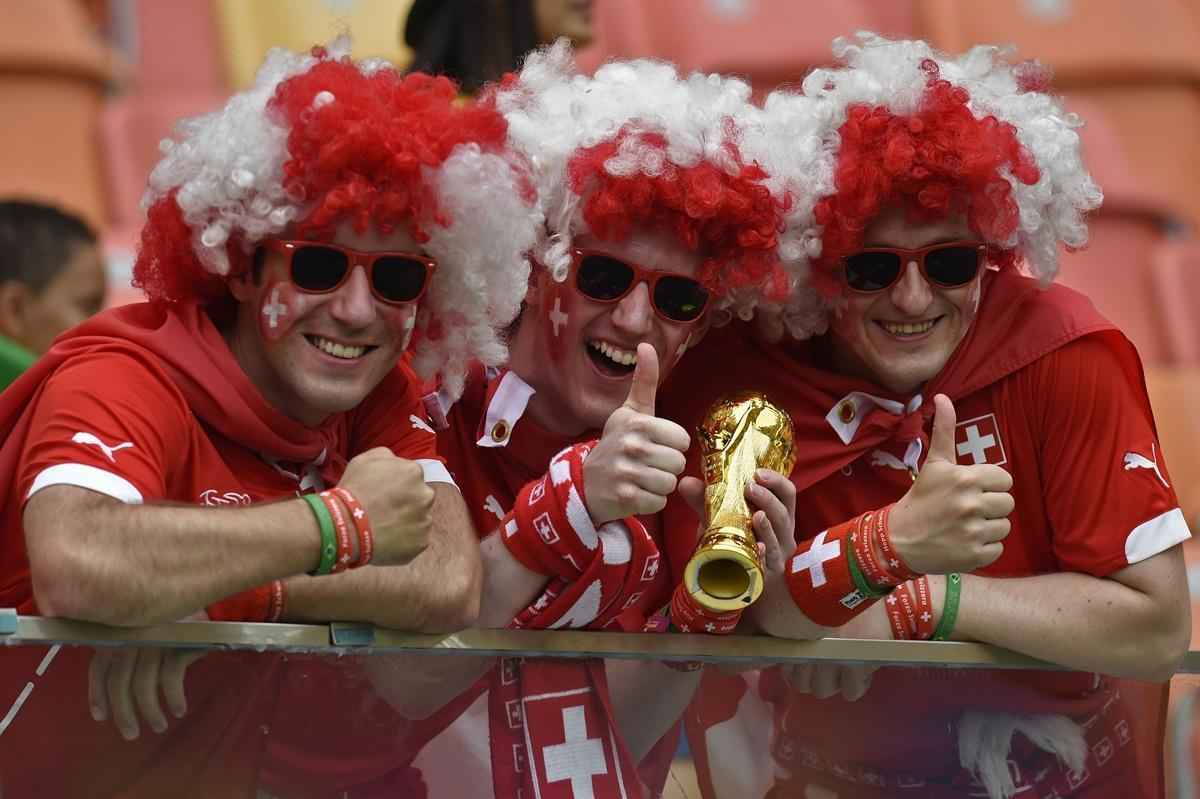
(91, 440)
(881, 458)
(419, 424)
(1134, 460)
(492, 505)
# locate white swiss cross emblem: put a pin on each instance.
(651, 568)
(978, 441)
(545, 528)
(578, 758)
(815, 557)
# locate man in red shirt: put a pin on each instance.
(974, 450)
(161, 461)
(654, 228)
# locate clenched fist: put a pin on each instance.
(954, 518)
(635, 466)
(399, 503)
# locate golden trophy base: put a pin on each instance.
(724, 574)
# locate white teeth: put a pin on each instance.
(904, 329)
(337, 350)
(623, 357)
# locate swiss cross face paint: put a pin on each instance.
(557, 306)
(282, 305)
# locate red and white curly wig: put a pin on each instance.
(900, 124)
(321, 140)
(638, 146)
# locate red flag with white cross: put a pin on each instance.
(978, 441)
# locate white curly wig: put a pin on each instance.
(862, 135)
(637, 144)
(320, 140)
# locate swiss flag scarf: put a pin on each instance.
(552, 728)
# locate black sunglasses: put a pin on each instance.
(604, 278)
(947, 265)
(395, 277)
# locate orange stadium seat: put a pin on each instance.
(1097, 42)
(53, 74)
(177, 73)
(1118, 267)
(1173, 392)
(767, 41)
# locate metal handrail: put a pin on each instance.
(338, 638)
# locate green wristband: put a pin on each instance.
(949, 607)
(860, 582)
(328, 539)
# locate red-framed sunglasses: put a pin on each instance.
(605, 278)
(949, 265)
(319, 268)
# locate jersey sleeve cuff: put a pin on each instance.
(93, 479)
(435, 471)
(1156, 535)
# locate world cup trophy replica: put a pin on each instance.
(739, 434)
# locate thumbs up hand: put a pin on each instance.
(954, 518)
(635, 466)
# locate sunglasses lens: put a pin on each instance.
(316, 268)
(680, 298)
(399, 279)
(603, 278)
(872, 271)
(952, 266)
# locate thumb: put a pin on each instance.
(941, 440)
(692, 491)
(645, 381)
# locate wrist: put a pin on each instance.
(824, 578)
(950, 603)
(326, 550)
(549, 529)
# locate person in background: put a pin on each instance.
(477, 41)
(51, 278)
(977, 458)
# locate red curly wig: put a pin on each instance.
(731, 219)
(357, 157)
(935, 163)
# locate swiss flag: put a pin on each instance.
(978, 441)
(572, 747)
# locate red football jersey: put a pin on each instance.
(119, 426)
(1074, 429)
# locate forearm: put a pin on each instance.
(420, 685)
(96, 559)
(647, 699)
(508, 586)
(438, 591)
(1076, 620)
(775, 613)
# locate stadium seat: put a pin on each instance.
(767, 41)
(1087, 43)
(1117, 268)
(176, 73)
(53, 96)
(1173, 393)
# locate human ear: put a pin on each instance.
(15, 299)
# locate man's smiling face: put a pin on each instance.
(902, 336)
(594, 344)
(312, 355)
